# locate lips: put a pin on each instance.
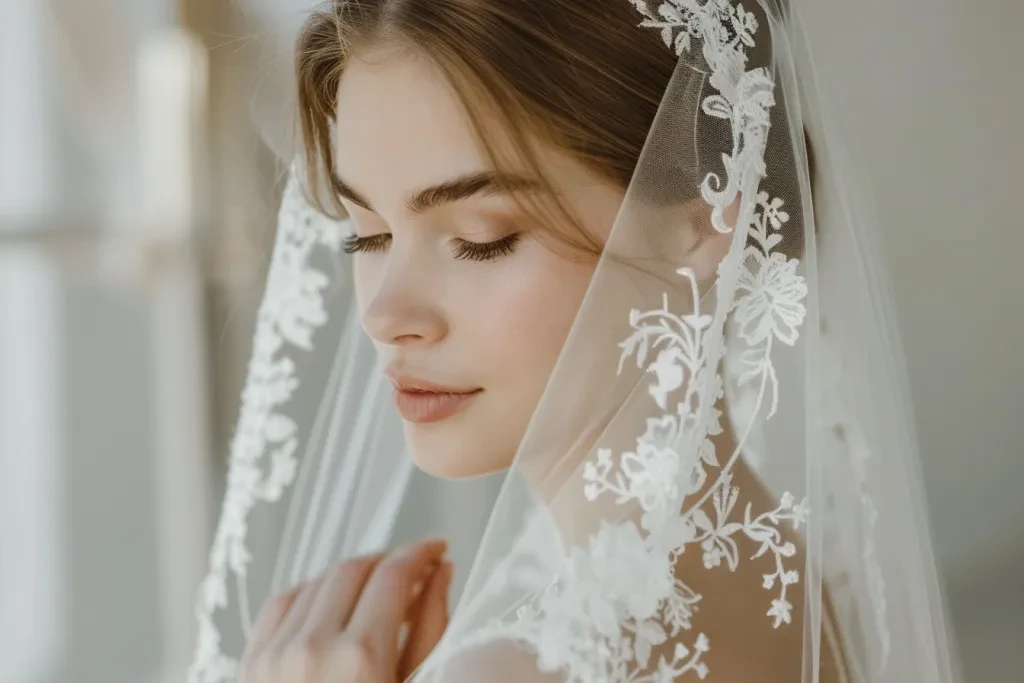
(423, 402)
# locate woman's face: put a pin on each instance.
(467, 309)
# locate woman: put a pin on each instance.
(536, 192)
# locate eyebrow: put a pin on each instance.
(482, 183)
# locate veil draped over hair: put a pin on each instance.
(723, 466)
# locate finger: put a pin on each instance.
(383, 606)
(320, 591)
(268, 621)
(296, 616)
(428, 620)
(334, 603)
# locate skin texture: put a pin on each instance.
(495, 326)
(344, 626)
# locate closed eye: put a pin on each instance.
(373, 243)
(463, 249)
(489, 251)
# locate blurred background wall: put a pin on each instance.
(131, 265)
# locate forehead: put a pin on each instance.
(400, 126)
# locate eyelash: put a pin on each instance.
(464, 251)
(355, 244)
(489, 251)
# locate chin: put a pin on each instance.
(452, 451)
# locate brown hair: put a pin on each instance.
(561, 71)
(583, 79)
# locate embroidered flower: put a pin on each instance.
(669, 371)
(782, 610)
(612, 601)
(291, 311)
(770, 299)
(772, 210)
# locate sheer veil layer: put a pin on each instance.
(720, 481)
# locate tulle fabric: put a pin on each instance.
(720, 481)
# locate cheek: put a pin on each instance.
(529, 316)
(365, 280)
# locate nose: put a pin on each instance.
(402, 312)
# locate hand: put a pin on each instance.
(343, 627)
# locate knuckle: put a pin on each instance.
(268, 619)
(350, 569)
(356, 656)
(354, 570)
(274, 609)
(301, 659)
(397, 571)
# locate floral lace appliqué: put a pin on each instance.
(611, 602)
(263, 459)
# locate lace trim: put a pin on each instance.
(610, 604)
(263, 452)
(849, 469)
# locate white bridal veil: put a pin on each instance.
(716, 441)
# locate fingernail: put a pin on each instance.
(426, 575)
(434, 543)
(417, 547)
